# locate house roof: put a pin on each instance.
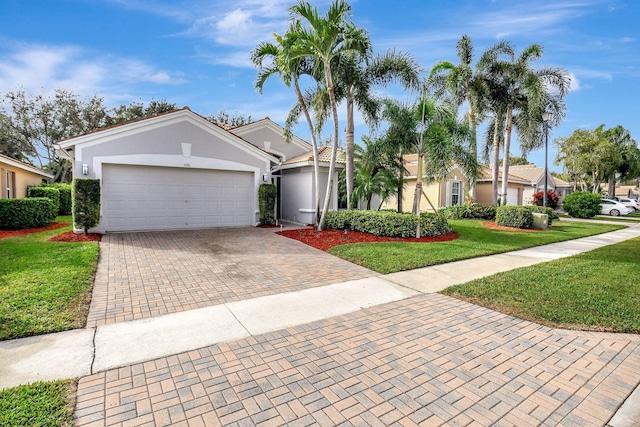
(324, 156)
(24, 166)
(486, 174)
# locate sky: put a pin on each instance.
(196, 53)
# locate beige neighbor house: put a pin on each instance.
(535, 178)
(16, 176)
(177, 170)
(453, 190)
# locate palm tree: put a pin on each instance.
(279, 62)
(432, 131)
(461, 83)
(526, 92)
(324, 38)
(355, 76)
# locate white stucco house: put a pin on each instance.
(179, 171)
(534, 177)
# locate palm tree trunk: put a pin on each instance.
(349, 139)
(316, 161)
(334, 150)
(505, 161)
(474, 141)
(496, 162)
(418, 195)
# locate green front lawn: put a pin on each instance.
(597, 290)
(44, 286)
(42, 404)
(475, 240)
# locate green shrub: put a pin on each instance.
(65, 197)
(433, 225)
(541, 209)
(514, 216)
(267, 199)
(469, 211)
(552, 199)
(16, 214)
(582, 204)
(386, 223)
(48, 192)
(86, 203)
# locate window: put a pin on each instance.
(10, 185)
(454, 193)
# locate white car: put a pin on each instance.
(613, 208)
(630, 202)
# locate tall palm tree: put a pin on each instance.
(275, 59)
(324, 38)
(525, 91)
(355, 77)
(460, 83)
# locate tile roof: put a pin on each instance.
(324, 156)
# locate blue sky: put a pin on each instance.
(196, 53)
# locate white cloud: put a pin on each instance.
(574, 83)
(38, 67)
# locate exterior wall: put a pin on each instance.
(298, 196)
(484, 192)
(278, 146)
(22, 180)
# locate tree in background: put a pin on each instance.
(137, 110)
(37, 123)
(235, 120)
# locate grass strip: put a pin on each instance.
(41, 404)
(475, 240)
(597, 290)
(44, 286)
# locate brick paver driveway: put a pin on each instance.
(149, 274)
(426, 360)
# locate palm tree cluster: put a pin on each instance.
(334, 58)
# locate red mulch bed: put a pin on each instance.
(70, 236)
(52, 226)
(493, 225)
(326, 239)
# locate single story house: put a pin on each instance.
(16, 176)
(177, 170)
(454, 189)
(535, 178)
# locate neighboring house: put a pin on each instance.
(535, 178)
(516, 187)
(177, 170)
(627, 191)
(452, 190)
(16, 176)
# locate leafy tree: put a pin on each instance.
(137, 110)
(234, 120)
(37, 122)
(323, 38)
(516, 161)
(629, 166)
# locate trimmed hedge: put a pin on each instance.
(48, 192)
(267, 199)
(581, 204)
(514, 216)
(16, 214)
(385, 223)
(65, 197)
(469, 211)
(86, 203)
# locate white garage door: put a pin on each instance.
(512, 196)
(159, 198)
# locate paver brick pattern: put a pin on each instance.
(427, 360)
(149, 274)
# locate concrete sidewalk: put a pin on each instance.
(79, 353)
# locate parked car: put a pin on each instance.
(630, 202)
(613, 208)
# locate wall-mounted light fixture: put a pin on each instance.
(265, 177)
(85, 169)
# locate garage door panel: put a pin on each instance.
(151, 198)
